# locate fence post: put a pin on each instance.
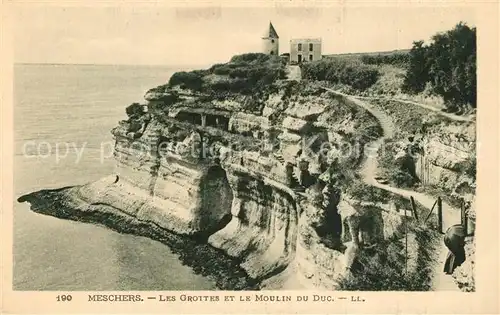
(430, 212)
(414, 208)
(464, 217)
(406, 245)
(440, 215)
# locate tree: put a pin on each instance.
(134, 110)
(417, 74)
(448, 63)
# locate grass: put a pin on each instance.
(389, 82)
(383, 268)
(350, 72)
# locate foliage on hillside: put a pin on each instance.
(400, 172)
(448, 64)
(396, 59)
(245, 74)
(350, 72)
(442, 72)
(192, 80)
(250, 78)
(384, 267)
(134, 110)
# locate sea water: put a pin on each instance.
(63, 115)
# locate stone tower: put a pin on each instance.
(270, 41)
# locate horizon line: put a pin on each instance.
(197, 65)
(101, 64)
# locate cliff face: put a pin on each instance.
(263, 228)
(156, 185)
(232, 176)
(447, 160)
(245, 173)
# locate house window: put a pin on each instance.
(310, 47)
(272, 52)
(299, 47)
(310, 57)
(272, 41)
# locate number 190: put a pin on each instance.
(64, 298)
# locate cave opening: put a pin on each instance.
(217, 199)
(192, 118)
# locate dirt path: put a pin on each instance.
(440, 281)
(425, 106)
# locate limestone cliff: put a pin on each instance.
(233, 156)
(447, 159)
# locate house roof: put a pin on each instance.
(306, 39)
(271, 33)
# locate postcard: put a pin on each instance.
(249, 157)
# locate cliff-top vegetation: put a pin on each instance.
(441, 72)
(246, 74)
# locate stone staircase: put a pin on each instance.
(296, 185)
(279, 157)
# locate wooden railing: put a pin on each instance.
(439, 203)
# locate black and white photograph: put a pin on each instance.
(220, 148)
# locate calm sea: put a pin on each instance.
(74, 108)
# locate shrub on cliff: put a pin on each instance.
(360, 191)
(399, 171)
(470, 167)
(134, 110)
(247, 79)
(245, 74)
(384, 267)
(164, 101)
(219, 68)
(448, 63)
(341, 71)
(251, 57)
(395, 59)
(234, 86)
(192, 80)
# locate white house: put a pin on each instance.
(305, 50)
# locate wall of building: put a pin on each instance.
(306, 54)
(270, 46)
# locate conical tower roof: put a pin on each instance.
(271, 32)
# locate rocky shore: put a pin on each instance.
(192, 251)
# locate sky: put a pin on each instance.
(154, 35)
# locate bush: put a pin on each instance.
(235, 86)
(402, 179)
(335, 70)
(134, 110)
(221, 70)
(191, 80)
(159, 89)
(165, 101)
(470, 168)
(448, 63)
(249, 79)
(383, 269)
(250, 57)
(364, 192)
(239, 73)
(417, 75)
(396, 59)
(247, 76)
